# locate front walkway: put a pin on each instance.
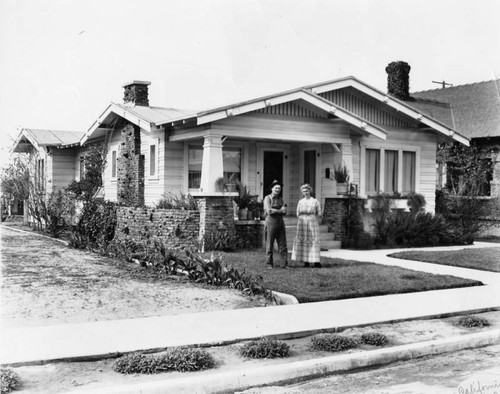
(105, 338)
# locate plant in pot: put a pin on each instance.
(341, 175)
(254, 208)
(225, 184)
(242, 200)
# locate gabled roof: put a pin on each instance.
(472, 109)
(39, 138)
(151, 118)
(148, 118)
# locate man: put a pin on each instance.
(275, 209)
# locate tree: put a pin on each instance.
(93, 163)
(15, 178)
(468, 171)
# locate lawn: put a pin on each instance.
(484, 259)
(340, 279)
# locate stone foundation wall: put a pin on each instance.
(216, 211)
(174, 227)
(335, 214)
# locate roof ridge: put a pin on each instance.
(457, 86)
(432, 101)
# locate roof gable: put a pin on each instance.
(40, 138)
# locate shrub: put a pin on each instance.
(95, 226)
(9, 380)
(180, 359)
(416, 202)
(422, 229)
(183, 261)
(411, 229)
(381, 209)
(374, 339)
(332, 343)
(471, 321)
(265, 348)
(54, 211)
(220, 239)
(182, 201)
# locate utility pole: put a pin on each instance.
(443, 83)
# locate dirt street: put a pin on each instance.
(45, 282)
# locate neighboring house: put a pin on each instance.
(474, 111)
(53, 154)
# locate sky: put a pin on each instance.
(63, 61)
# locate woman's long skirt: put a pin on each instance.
(307, 244)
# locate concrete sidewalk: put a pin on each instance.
(24, 346)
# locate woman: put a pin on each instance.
(306, 245)
(275, 209)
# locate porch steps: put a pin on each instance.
(328, 240)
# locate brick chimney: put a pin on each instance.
(136, 93)
(398, 80)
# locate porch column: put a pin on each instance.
(211, 167)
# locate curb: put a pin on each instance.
(301, 370)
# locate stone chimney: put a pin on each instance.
(136, 93)
(398, 80)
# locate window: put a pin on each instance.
(113, 164)
(152, 160)
(372, 171)
(231, 162)
(390, 171)
(82, 168)
(195, 159)
(40, 174)
(409, 171)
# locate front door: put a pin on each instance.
(273, 169)
(310, 168)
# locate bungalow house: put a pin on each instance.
(54, 155)
(296, 136)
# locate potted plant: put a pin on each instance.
(341, 175)
(224, 184)
(242, 200)
(254, 208)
